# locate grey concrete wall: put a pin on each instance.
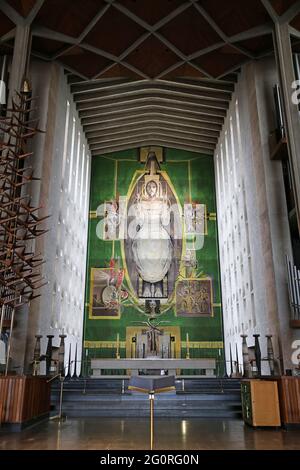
(60, 307)
(26, 325)
(261, 289)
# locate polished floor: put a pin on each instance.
(133, 434)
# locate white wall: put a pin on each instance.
(62, 160)
(252, 218)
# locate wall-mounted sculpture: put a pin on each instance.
(20, 224)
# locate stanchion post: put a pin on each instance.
(151, 398)
(61, 378)
(60, 416)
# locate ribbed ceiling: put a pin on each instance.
(147, 72)
(183, 114)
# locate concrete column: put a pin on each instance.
(20, 59)
(17, 73)
(291, 113)
(46, 86)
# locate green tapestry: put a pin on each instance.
(185, 282)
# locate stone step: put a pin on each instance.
(145, 406)
(116, 384)
(84, 397)
(210, 414)
(211, 397)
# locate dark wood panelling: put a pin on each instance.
(151, 11)
(46, 46)
(218, 62)
(289, 397)
(235, 16)
(120, 71)
(184, 71)
(23, 7)
(152, 56)
(119, 44)
(257, 45)
(68, 17)
(84, 62)
(190, 32)
(296, 22)
(281, 6)
(114, 32)
(5, 24)
(23, 398)
(181, 29)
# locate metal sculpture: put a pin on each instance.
(20, 278)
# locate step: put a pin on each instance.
(144, 412)
(73, 396)
(117, 383)
(201, 397)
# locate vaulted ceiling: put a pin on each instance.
(149, 71)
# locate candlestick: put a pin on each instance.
(187, 347)
(118, 347)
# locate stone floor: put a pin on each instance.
(129, 434)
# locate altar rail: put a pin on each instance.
(170, 365)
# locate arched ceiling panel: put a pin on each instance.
(148, 68)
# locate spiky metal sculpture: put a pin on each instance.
(20, 224)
